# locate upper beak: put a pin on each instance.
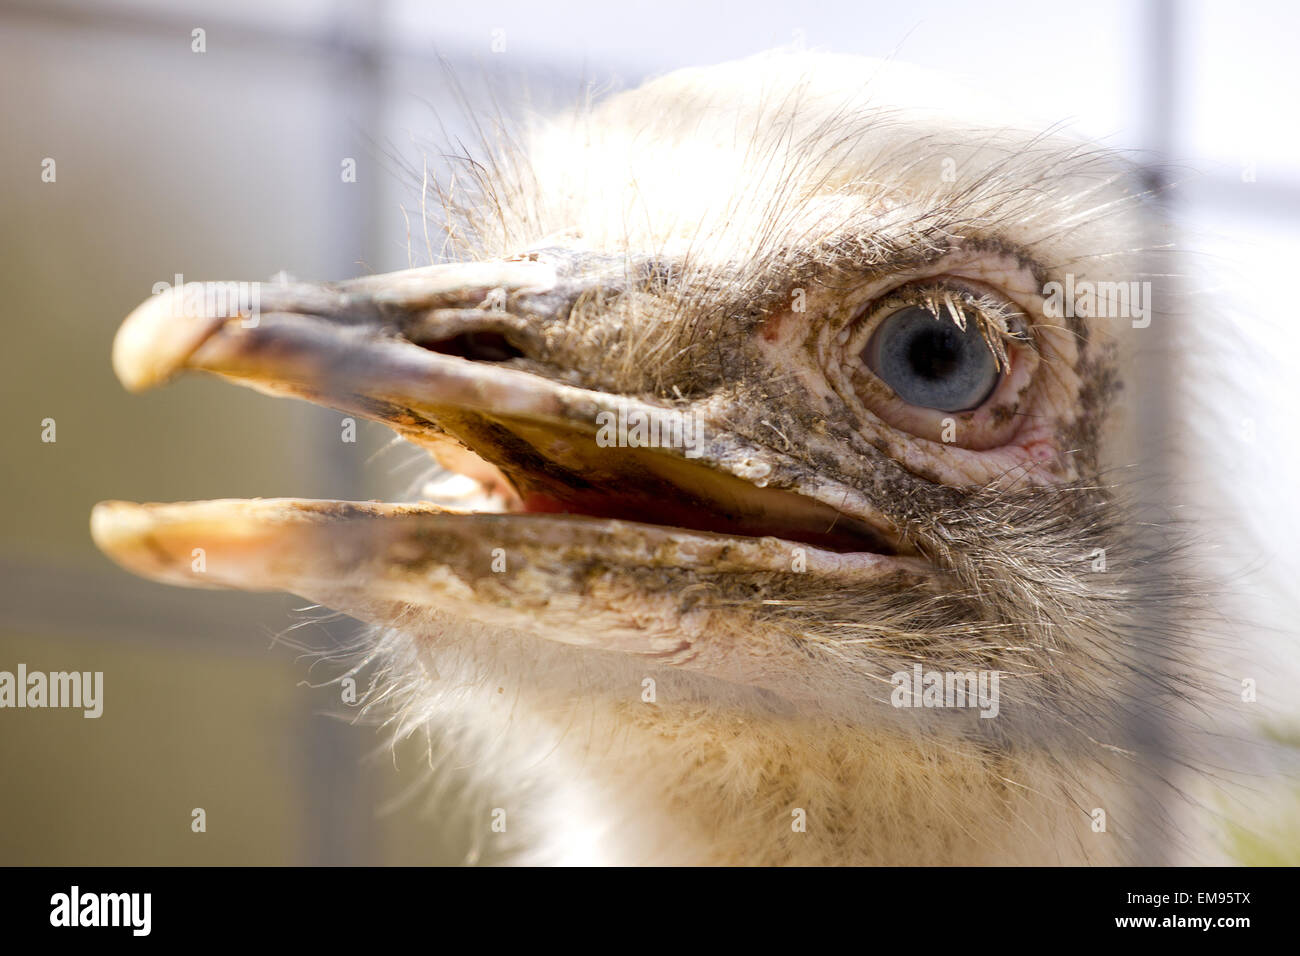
(458, 359)
(371, 346)
(424, 351)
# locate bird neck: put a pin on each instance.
(688, 785)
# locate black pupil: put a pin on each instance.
(935, 353)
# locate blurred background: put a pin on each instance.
(226, 164)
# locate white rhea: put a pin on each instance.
(908, 471)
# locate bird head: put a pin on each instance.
(750, 380)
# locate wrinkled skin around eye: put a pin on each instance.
(1018, 433)
(990, 420)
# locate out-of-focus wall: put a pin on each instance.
(218, 165)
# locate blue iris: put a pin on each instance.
(930, 362)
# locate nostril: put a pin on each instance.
(475, 346)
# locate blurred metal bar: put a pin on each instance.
(1156, 375)
(342, 793)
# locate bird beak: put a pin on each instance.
(454, 359)
(347, 345)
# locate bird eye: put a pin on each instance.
(931, 362)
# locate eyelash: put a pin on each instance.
(999, 321)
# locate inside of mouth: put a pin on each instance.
(537, 471)
(843, 535)
(477, 346)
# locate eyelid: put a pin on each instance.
(1001, 318)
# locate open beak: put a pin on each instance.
(461, 360)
